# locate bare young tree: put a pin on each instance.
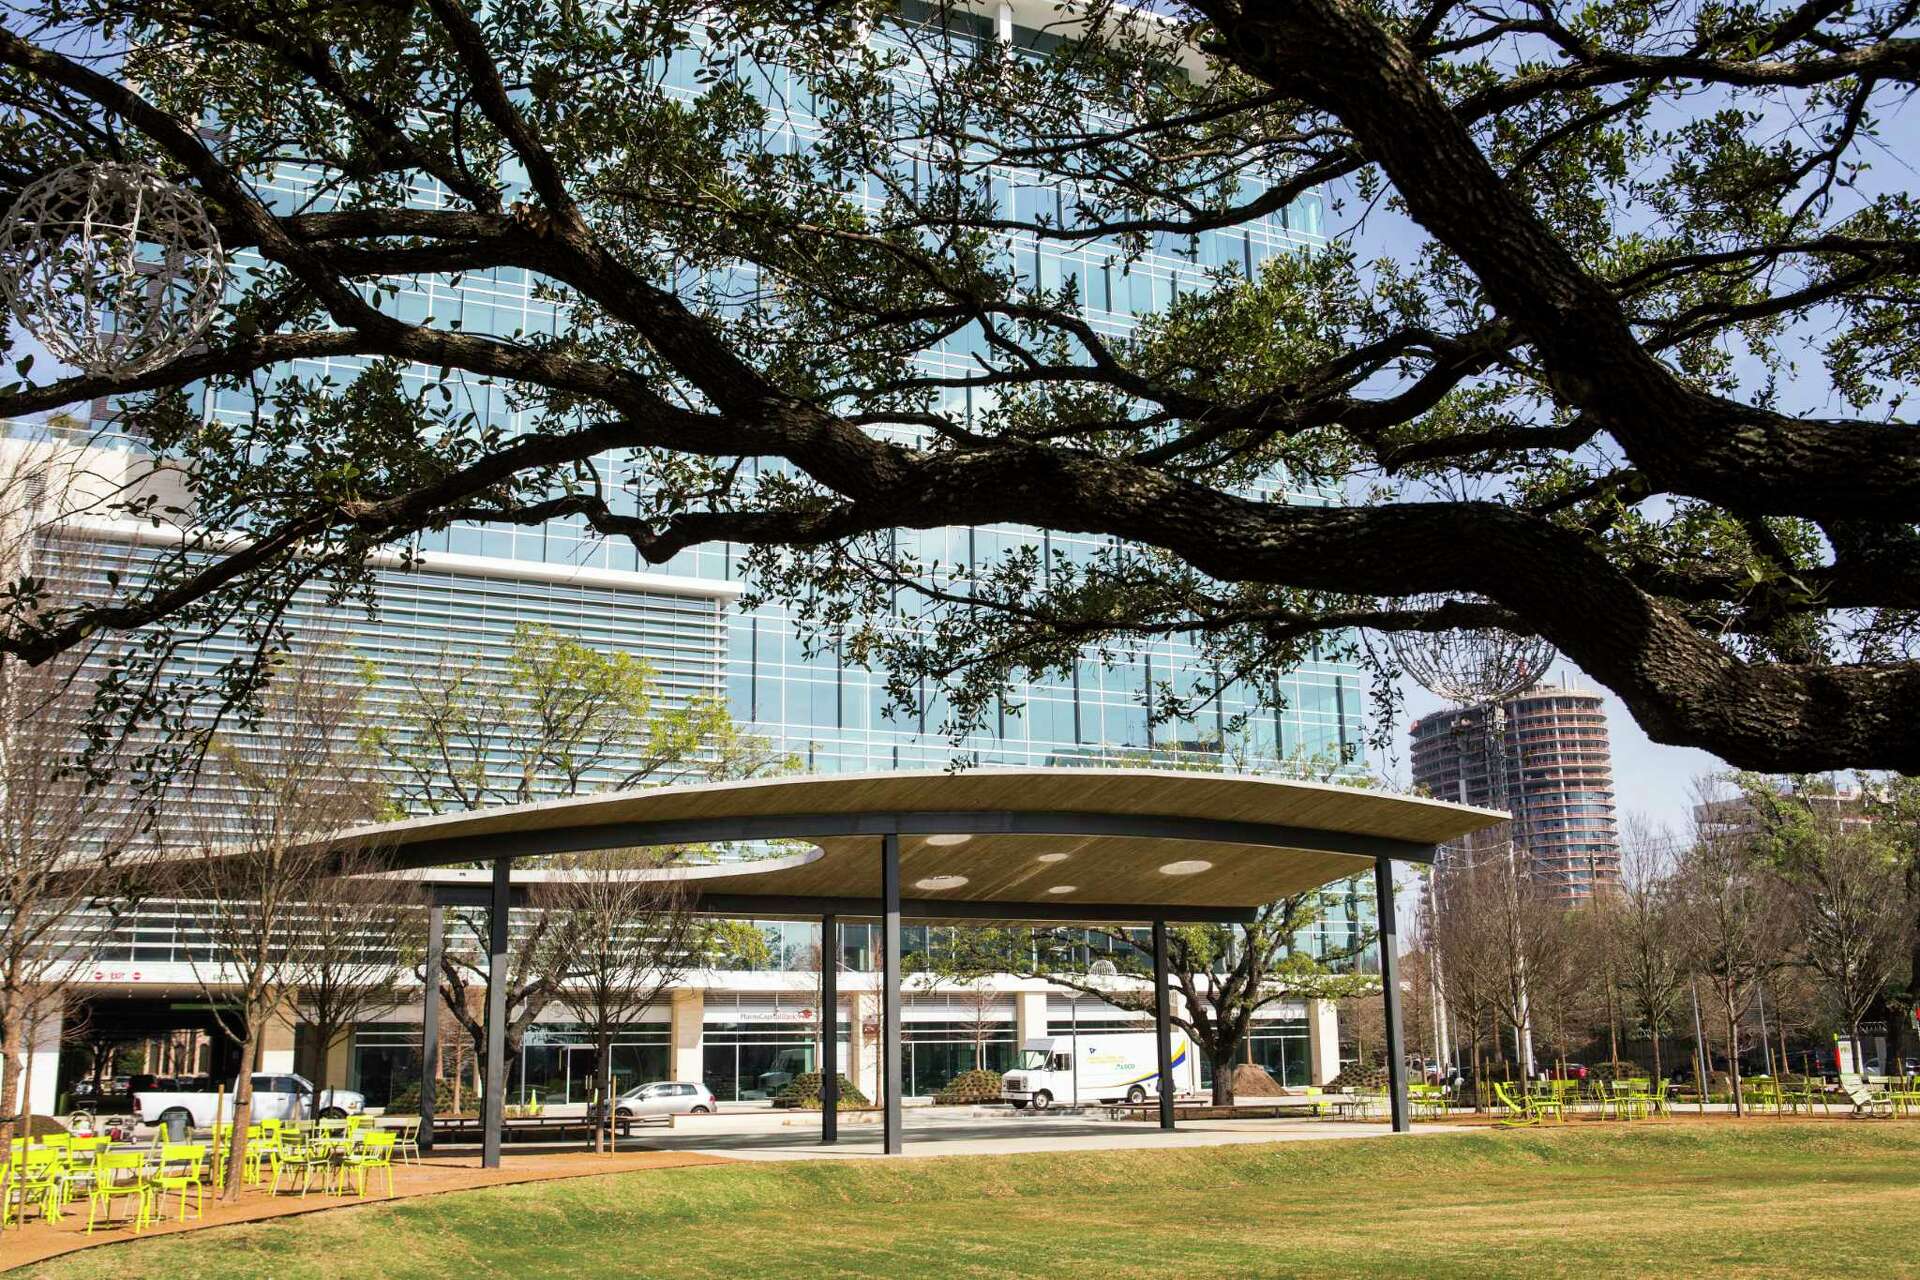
(257, 863)
(361, 936)
(68, 834)
(630, 939)
(1643, 938)
(1735, 918)
(1475, 945)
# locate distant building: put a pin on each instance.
(1733, 815)
(1552, 769)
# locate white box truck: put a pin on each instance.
(1115, 1067)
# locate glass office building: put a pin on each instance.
(469, 587)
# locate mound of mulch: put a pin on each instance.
(1250, 1081)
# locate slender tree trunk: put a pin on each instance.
(1733, 1055)
(26, 1074)
(243, 1099)
(1658, 1075)
(10, 1070)
(603, 1074)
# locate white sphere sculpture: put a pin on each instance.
(113, 268)
(1469, 666)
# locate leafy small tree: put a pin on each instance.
(1848, 887)
(561, 719)
(1224, 974)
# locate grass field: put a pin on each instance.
(1758, 1199)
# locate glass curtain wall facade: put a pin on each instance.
(475, 585)
(809, 700)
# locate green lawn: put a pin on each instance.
(1785, 1199)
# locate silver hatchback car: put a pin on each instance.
(664, 1098)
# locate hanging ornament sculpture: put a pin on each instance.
(1469, 667)
(114, 269)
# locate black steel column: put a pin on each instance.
(890, 988)
(430, 1021)
(1162, 1020)
(1390, 991)
(495, 1113)
(830, 1028)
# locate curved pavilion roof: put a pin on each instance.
(1060, 843)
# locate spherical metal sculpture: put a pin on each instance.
(1469, 666)
(113, 268)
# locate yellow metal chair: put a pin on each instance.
(406, 1140)
(1524, 1111)
(373, 1154)
(32, 1179)
(301, 1155)
(182, 1170)
(117, 1175)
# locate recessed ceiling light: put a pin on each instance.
(947, 842)
(937, 883)
(1191, 867)
(1063, 888)
(1051, 857)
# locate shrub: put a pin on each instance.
(406, 1099)
(970, 1086)
(803, 1092)
(1358, 1076)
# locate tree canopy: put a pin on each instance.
(1633, 379)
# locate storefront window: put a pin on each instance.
(744, 1061)
(1280, 1047)
(557, 1060)
(935, 1052)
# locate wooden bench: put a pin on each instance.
(1259, 1110)
(523, 1128)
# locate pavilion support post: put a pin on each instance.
(498, 917)
(1390, 992)
(829, 1028)
(1162, 1022)
(430, 1022)
(890, 990)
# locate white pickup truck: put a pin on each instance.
(275, 1097)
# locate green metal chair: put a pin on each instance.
(406, 1140)
(33, 1178)
(182, 1170)
(297, 1155)
(81, 1165)
(118, 1175)
(1866, 1100)
(261, 1142)
(373, 1154)
(1522, 1110)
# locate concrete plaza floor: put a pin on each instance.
(765, 1134)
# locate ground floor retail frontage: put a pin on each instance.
(742, 1039)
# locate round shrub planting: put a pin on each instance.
(803, 1092)
(970, 1086)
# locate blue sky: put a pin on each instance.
(1650, 780)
